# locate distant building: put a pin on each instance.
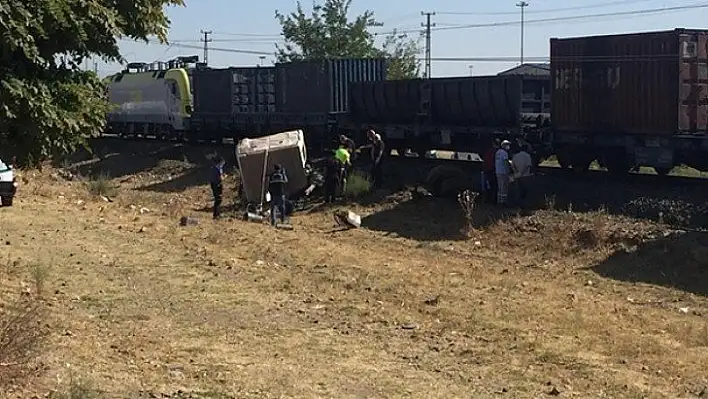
(528, 70)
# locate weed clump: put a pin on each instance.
(101, 185)
(357, 186)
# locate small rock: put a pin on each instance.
(188, 221)
(683, 310)
(409, 326)
(105, 199)
(260, 263)
(432, 301)
(144, 210)
(554, 392)
(142, 230)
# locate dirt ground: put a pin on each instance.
(556, 303)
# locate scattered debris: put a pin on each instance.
(348, 218)
(554, 392)
(409, 326)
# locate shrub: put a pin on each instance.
(101, 185)
(22, 337)
(357, 185)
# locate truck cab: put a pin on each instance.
(8, 184)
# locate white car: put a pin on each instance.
(8, 184)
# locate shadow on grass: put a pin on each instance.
(677, 261)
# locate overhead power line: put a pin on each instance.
(551, 10)
(572, 18)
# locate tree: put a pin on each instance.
(327, 32)
(49, 106)
(402, 54)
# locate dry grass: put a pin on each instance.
(237, 309)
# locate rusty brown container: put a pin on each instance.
(653, 83)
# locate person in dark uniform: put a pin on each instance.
(333, 168)
(349, 144)
(489, 172)
(277, 186)
(378, 149)
(217, 188)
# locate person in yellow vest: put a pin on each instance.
(343, 156)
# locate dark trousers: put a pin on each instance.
(330, 190)
(377, 174)
(277, 206)
(491, 178)
(217, 191)
(523, 187)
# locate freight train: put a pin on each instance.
(622, 100)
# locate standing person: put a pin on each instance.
(217, 188)
(522, 165)
(489, 175)
(331, 180)
(277, 186)
(502, 168)
(378, 148)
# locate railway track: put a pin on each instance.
(469, 162)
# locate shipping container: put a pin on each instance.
(390, 101)
(479, 101)
(234, 90)
(323, 86)
(651, 83)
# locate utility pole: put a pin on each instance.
(522, 5)
(95, 67)
(427, 25)
(471, 67)
(206, 39)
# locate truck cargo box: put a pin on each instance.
(323, 86)
(257, 156)
(651, 83)
(478, 101)
(234, 90)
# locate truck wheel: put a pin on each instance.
(6, 201)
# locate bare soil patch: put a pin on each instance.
(553, 303)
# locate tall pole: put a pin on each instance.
(522, 5)
(206, 39)
(427, 25)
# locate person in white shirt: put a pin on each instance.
(502, 168)
(522, 165)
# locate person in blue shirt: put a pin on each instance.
(217, 188)
(277, 187)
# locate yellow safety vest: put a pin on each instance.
(342, 155)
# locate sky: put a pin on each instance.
(243, 31)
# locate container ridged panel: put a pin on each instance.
(653, 83)
(323, 86)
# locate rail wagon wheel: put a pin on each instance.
(581, 165)
(438, 175)
(663, 171)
